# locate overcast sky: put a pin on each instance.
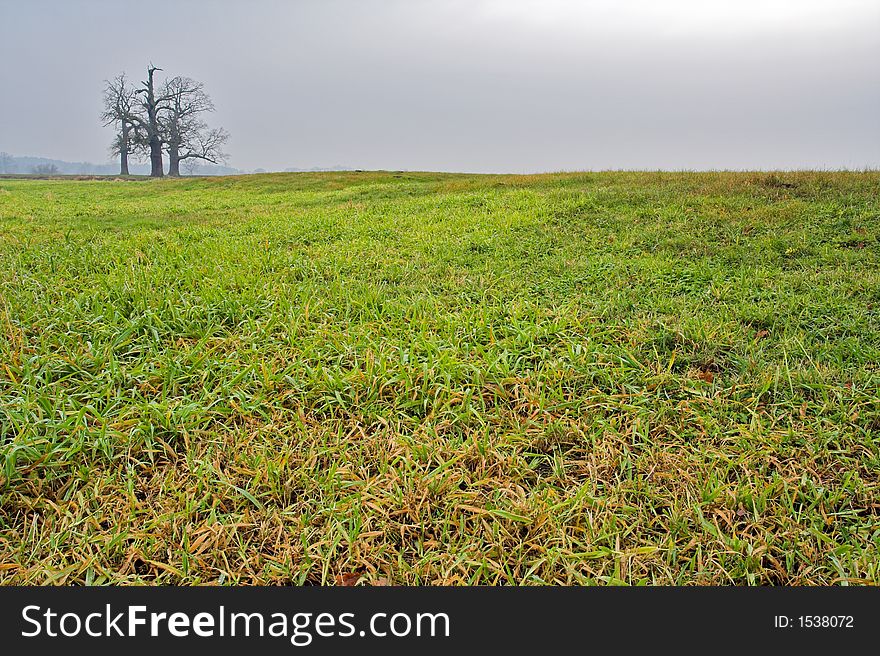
(465, 85)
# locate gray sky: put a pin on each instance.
(466, 85)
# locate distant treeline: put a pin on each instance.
(10, 164)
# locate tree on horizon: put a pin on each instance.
(155, 119)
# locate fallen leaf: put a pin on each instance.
(348, 579)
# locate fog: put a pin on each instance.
(466, 85)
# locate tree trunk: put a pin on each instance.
(153, 130)
(156, 157)
(174, 160)
(123, 151)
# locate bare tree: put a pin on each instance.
(187, 137)
(148, 119)
(7, 163)
(153, 118)
(45, 169)
(120, 102)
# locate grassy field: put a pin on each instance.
(612, 378)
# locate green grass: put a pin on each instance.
(638, 378)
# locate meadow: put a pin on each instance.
(382, 378)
